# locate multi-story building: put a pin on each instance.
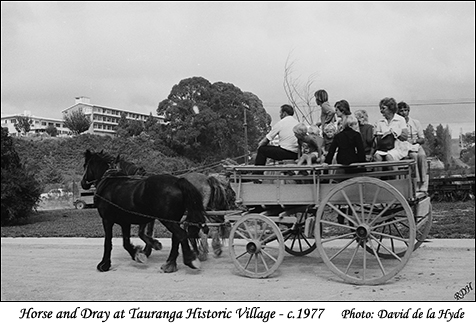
(104, 119)
(38, 124)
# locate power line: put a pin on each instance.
(414, 103)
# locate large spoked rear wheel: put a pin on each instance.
(400, 229)
(256, 246)
(349, 225)
(296, 242)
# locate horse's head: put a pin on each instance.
(95, 165)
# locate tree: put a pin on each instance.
(205, 121)
(467, 150)
(23, 124)
(430, 140)
(467, 140)
(150, 122)
(128, 128)
(51, 130)
(301, 96)
(443, 144)
(77, 122)
(20, 190)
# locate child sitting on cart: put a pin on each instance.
(309, 145)
(349, 146)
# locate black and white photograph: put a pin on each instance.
(218, 162)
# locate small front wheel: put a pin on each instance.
(256, 246)
(80, 205)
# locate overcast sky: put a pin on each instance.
(130, 55)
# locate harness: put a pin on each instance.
(183, 221)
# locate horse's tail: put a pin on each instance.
(217, 194)
(193, 201)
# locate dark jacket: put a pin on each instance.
(350, 145)
(367, 133)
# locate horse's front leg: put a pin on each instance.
(179, 236)
(105, 263)
(171, 264)
(189, 256)
(146, 232)
(136, 252)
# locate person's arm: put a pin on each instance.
(421, 136)
(404, 134)
(332, 151)
(263, 142)
(360, 148)
(369, 136)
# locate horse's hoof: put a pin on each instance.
(169, 268)
(195, 264)
(140, 257)
(103, 267)
(157, 245)
(203, 256)
(217, 252)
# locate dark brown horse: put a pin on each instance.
(125, 200)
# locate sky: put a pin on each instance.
(129, 55)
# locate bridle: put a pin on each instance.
(111, 167)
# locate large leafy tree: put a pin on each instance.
(23, 124)
(205, 121)
(77, 122)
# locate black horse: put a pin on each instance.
(127, 200)
(146, 231)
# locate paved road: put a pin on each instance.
(64, 269)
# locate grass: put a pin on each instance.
(450, 220)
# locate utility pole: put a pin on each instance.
(245, 127)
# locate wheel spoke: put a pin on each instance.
(264, 262)
(352, 259)
(382, 212)
(242, 254)
(305, 240)
(340, 212)
(364, 263)
(389, 236)
(249, 260)
(269, 255)
(390, 223)
(377, 257)
(361, 197)
(338, 225)
(386, 248)
(263, 231)
(248, 230)
(354, 213)
(242, 235)
(342, 249)
(337, 237)
(374, 202)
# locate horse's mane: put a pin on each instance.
(102, 156)
(129, 168)
(222, 196)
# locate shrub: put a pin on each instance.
(20, 190)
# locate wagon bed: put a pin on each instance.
(365, 225)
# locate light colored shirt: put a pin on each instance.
(284, 130)
(414, 129)
(396, 125)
